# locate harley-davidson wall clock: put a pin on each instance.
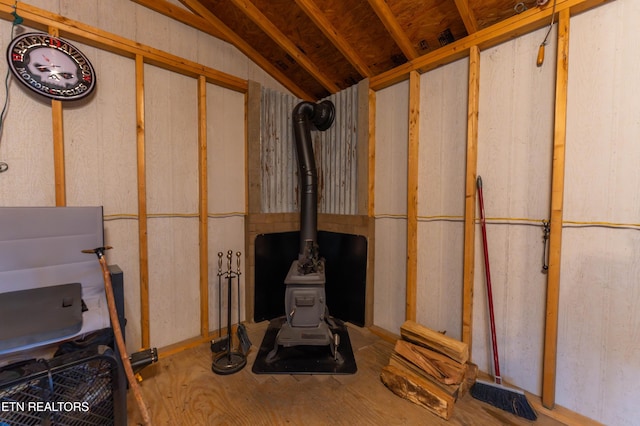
(51, 66)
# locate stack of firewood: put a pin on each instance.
(429, 369)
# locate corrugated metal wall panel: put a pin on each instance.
(335, 153)
(278, 157)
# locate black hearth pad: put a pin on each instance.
(304, 359)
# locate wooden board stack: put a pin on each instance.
(429, 369)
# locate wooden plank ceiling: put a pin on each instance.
(319, 47)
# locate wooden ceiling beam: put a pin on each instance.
(392, 25)
(469, 19)
(181, 15)
(253, 13)
(517, 25)
(245, 48)
(322, 22)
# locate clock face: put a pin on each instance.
(51, 66)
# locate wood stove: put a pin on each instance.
(307, 319)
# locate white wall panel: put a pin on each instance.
(53, 6)
(174, 292)
(392, 132)
(226, 183)
(166, 34)
(101, 169)
(599, 324)
(25, 145)
(172, 192)
(122, 234)
(390, 274)
(86, 12)
(514, 159)
(441, 189)
(226, 150)
(100, 140)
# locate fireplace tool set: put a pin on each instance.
(227, 360)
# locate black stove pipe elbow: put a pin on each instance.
(321, 115)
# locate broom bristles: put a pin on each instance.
(506, 399)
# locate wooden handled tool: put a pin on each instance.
(117, 333)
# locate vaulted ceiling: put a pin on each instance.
(319, 47)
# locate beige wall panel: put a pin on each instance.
(100, 139)
(439, 303)
(225, 150)
(390, 274)
(165, 34)
(599, 324)
(392, 132)
(50, 5)
(87, 12)
(174, 291)
(118, 17)
(255, 73)
(441, 188)
(226, 184)
(224, 57)
(391, 206)
(121, 234)
(172, 189)
(28, 151)
(599, 321)
(25, 144)
(226, 234)
(514, 160)
(101, 166)
(221, 55)
(171, 123)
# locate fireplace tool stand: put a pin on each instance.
(230, 361)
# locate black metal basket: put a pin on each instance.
(86, 387)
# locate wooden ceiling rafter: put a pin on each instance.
(467, 15)
(272, 31)
(383, 11)
(318, 47)
(322, 22)
(245, 48)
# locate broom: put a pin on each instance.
(507, 399)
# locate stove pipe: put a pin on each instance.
(321, 115)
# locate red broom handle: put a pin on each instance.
(483, 225)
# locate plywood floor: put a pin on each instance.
(181, 389)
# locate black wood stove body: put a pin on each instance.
(307, 317)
